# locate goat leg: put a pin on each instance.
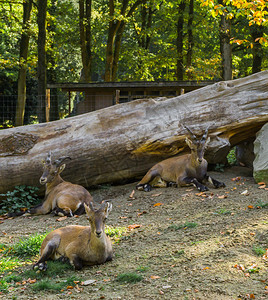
(216, 183)
(193, 181)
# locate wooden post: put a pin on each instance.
(117, 96)
(69, 111)
(47, 104)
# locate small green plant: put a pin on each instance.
(129, 277)
(259, 250)
(48, 284)
(183, 226)
(21, 197)
(231, 157)
(115, 232)
(142, 269)
(223, 211)
(219, 167)
(26, 247)
(3, 286)
(261, 204)
(9, 263)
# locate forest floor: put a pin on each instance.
(182, 243)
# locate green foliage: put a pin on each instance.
(261, 204)
(260, 251)
(21, 197)
(231, 157)
(52, 285)
(142, 269)
(219, 167)
(129, 277)
(183, 226)
(115, 232)
(223, 211)
(3, 286)
(26, 246)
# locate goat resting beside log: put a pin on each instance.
(81, 245)
(184, 170)
(61, 197)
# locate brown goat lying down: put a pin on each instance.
(61, 197)
(81, 245)
(188, 169)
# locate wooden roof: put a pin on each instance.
(134, 85)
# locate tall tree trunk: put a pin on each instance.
(24, 45)
(256, 33)
(180, 67)
(42, 66)
(190, 40)
(117, 46)
(51, 72)
(225, 47)
(112, 52)
(85, 37)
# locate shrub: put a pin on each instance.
(21, 197)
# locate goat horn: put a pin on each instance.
(191, 133)
(205, 135)
(61, 160)
(48, 159)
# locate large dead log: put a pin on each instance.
(124, 141)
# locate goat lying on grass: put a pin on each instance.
(188, 169)
(82, 245)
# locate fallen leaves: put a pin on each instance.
(158, 204)
(236, 178)
(250, 206)
(131, 196)
(154, 277)
(62, 219)
(222, 196)
(133, 226)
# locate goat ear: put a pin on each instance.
(189, 143)
(108, 208)
(61, 168)
(87, 209)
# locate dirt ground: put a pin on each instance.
(214, 260)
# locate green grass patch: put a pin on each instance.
(26, 247)
(261, 204)
(10, 263)
(183, 226)
(142, 269)
(223, 211)
(115, 233)
(129, 277)
(259, 250)
(52, 285)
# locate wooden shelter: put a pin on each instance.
(99, 95)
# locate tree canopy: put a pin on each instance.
(132, 40)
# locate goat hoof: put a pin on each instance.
(147, 188)
(203, 189)
(40, 267)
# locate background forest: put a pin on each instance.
(59, 41)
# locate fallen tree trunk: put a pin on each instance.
(124, 141)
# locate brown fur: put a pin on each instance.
(81, 245)
(62, 197)
(188, 169)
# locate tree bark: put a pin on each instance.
(190, 40)
(24, 45)
(42, 65)
(225, 47)
(180, 66)
(85, 37)
(122, 142)
(256, 33)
